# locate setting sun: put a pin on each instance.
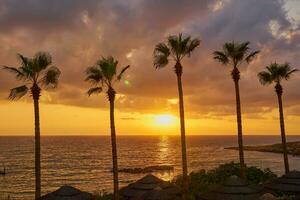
(165, 119)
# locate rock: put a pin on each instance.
(145, 170)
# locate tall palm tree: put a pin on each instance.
(176, 48)
(275, 73)
(235, 54)
(104, 74)
(35, 73)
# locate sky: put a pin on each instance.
(77, 33)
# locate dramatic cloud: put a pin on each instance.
(77, 33)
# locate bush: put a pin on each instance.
(203, 181)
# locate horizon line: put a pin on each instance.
(108, 135)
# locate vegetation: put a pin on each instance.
(104, 74)
(204, 181)
(235, 54)
(35, 73)
(177, 48)
(275, 73)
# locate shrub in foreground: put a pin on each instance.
(203, 181)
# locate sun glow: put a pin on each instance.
(165, 119)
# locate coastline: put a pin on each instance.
(293, 148)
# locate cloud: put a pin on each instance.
(128, 118)
(77, 33)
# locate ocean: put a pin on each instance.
(85, 161)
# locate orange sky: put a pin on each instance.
(71, 120)
(78, 33)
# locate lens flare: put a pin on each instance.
(126, 82)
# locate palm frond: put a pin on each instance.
(19, 75)
(173, 44)
(174, 40)
(240, 51)
(28, 72)
(24, 72)
(161, 48)
(288, 75)
(41, 61)
(18, 92)
(24, 60)
(229, 48)
(272, 68)
(95, 90)
(119, 77)
(278, 72)
(236, 53)
(265, 78)
(243, 47)
(160, 61)
(285, 71)
(160, 55)
(27, 67)
(50, 79)
(108, 67)
(251, 56)
(192, 46)
(94, 75)
(221, 57)
(183, 44)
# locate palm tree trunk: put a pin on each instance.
(178, 70)
(236, 77)
(37, 149)
(278, 89)
(35, 91)
(111, 94)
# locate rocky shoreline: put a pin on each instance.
(148, 169)
(293, 148)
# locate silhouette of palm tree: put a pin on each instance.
(177, 47)
(235, 54)
(104, 74)
(35, 73)
(275, 73)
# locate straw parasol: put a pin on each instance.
(288, 183)
(67, 193)
(150, 188)
(234, 188)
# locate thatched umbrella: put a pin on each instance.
(234, 188)
(150, 188)
(67, 193)
(288, 183)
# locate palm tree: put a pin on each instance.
(235, 54)
(35, 73)
(104, 74)
(275, 73)
(176, 48)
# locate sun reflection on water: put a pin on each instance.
(164, 158)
